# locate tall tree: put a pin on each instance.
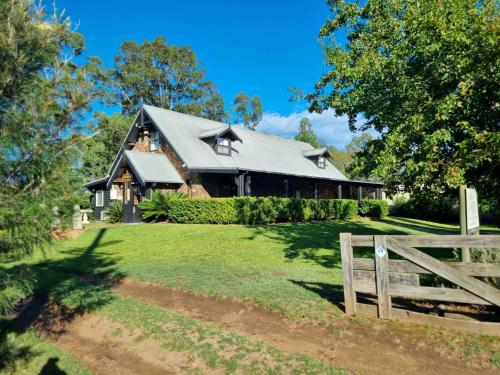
(342, 159)
(306, 133)
(100, 148)
(165, 76)
(426, 76)
(42, 96)
(248, 111)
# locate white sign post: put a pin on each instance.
(472, 211)
(469, 216)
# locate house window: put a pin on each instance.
(154, 143)
(99, 198)
(223, 146)
(321, 162)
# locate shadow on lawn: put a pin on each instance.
(308, 240)
(63, 289)
(413, 224)
(332, 293)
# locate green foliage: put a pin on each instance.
(13, 288)
(425, 75)
(420, 206)
(157, 208)
(203, 211)
(248, 111)
(101, 147)
(376, 208)
(342, 159)
(165, 76)
(306, 133)
(258, 210)
(42, 95)
(115, 212)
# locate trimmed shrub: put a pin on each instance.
(258, 210)
(376, 208)
(343, 209)
(203, 211)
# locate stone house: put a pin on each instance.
(170, 151)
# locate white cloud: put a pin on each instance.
(330, 128)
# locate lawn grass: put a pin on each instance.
(41, 357)
(292, 268)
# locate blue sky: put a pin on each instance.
(260, 47)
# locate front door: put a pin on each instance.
(131, 210)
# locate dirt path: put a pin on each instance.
(89, 339)
(351, 346)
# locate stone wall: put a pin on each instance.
(192, 185)
(142, 142)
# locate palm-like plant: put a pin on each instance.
(115, 212)
(156, 208)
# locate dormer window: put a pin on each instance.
(318, 156)
(154, 141)
(321, 162)
(223, 146)
(220, 139)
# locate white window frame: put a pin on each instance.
(223, 146)
(321, 162)
(99, 194)
(113, 195)
(154, 140)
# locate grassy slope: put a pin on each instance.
(292, 268)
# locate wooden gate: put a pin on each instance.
(386, 278)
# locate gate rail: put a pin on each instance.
(388, 278)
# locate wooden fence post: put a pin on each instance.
(348, 274)
(382, 277)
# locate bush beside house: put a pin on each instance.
(254, 210)
(374, 208)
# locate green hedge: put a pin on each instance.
(374, 208)
(258, 210)
(203, 211)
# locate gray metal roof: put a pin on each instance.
(219, 132)
(256, 152)
(152, 167)
(99, 181)
(317, 152)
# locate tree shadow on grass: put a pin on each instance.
(417, 225)
(64, 287)
(332, 293)
(319, 241)
(310, 240)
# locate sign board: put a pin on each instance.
(472, 211)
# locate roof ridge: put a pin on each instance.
(273, 136)
(227, 124)
(187, 114)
